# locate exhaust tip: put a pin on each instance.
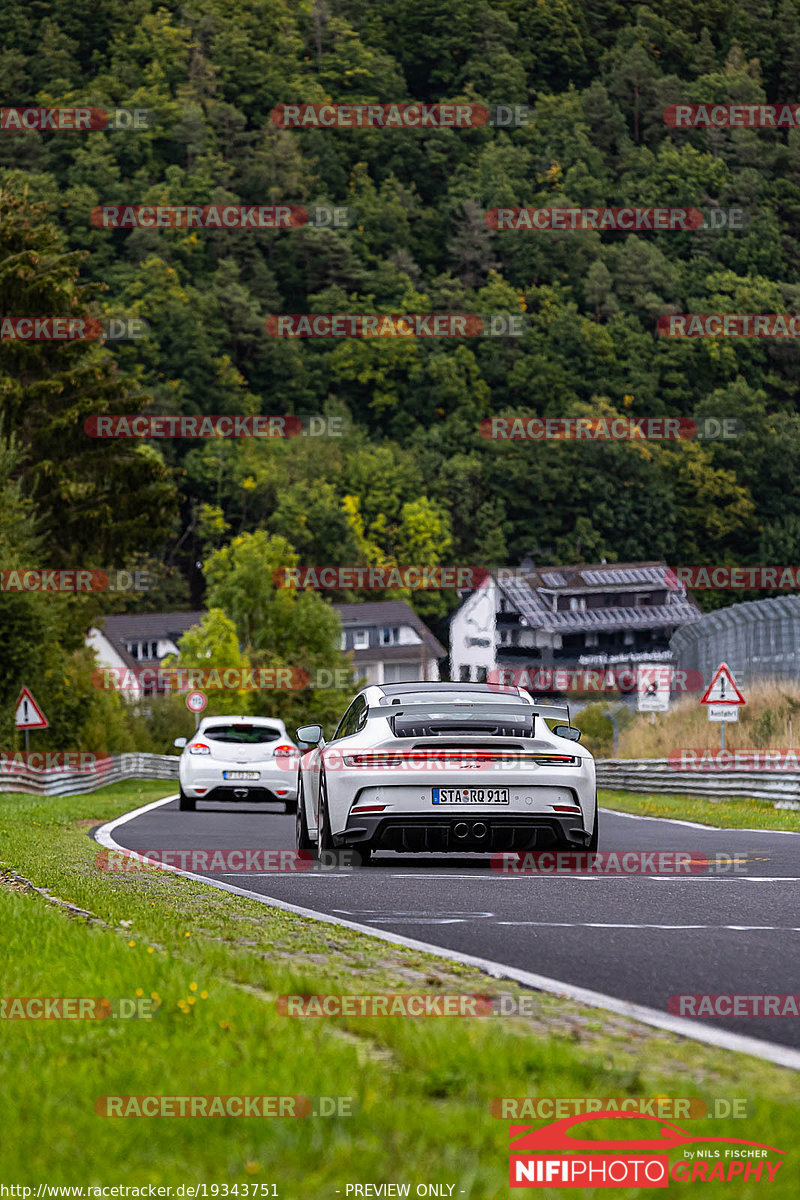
(461, 829)
(479, 830)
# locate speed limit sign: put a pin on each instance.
(196, 701)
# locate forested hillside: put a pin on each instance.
(412, 480)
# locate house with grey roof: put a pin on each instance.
(128, 641)
(389, 643)
(538, 619)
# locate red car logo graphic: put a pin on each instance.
(527, 1138)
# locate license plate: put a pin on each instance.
(469, 795)
(240, 774)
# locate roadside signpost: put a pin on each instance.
(653, 681)
(28, 714)
(722, 699)
(196, 702)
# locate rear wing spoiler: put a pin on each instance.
(510, 716)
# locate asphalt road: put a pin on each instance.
(640, 938)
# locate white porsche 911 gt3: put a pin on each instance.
(446, 767)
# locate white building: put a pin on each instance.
(389, 642)
(536, 620)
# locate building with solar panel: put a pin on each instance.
(549, 628)
(759, 639)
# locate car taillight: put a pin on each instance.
(199, 748)
(424, 758)
(285, 750)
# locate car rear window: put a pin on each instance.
(450, 697)
(248, 735)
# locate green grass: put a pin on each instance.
(727, 814)
(422, 1087)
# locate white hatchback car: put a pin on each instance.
(238, 758)
(446, 767)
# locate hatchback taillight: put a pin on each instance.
(199, 748)
(285, 750)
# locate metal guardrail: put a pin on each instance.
(70, 781)
(623, 774)
(656, 775)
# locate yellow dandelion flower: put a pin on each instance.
(192, 987)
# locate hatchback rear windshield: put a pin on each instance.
(248, 735)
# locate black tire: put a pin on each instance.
(324, 836)
(186, 803)
(591, 845)
(290, 806)
(364, 853)
(302, 837)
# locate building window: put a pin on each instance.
(480, 674)
(361, 639)
(343, 641)
(463, 674)
(577, 604)
(403, 672)
(388, 635)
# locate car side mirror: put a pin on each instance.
(310, 733)
(567, 731)
(180, 743)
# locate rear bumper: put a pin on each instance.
(241, 791)
(473, 832)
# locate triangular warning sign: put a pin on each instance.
(28, 715)
(722, 689)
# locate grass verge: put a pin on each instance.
(727, 814)
(421, 1088)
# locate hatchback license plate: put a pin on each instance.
(469, 795)
(240, 774)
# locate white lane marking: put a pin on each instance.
(643, 925)
(284, 874)
(618, 812)
(710, 1035)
